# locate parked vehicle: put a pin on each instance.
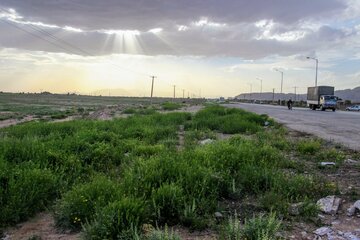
(353, 108)
(321, 97)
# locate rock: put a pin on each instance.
(327, 164)
(329, 204)
(206, 141)
(355, 207)
(350, 161)
(219, 215)
(336, 222)
(266, 123)
(294, 209)
(350, 236)
(322, 231)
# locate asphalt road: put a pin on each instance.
(340, 126)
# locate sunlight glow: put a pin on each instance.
(155, 30)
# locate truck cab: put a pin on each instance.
(328, 102)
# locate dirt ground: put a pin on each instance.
(42, 227)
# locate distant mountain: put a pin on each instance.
(348, 94)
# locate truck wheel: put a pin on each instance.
(322, 108)
(334, 109)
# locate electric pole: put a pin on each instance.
(152, 88)
(174, 91)
(273, 98)
(295, 92)
(183, 93)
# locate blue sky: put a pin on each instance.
(218, 47)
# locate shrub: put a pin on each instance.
(261, 227)
(24, 191)
(79, 205)
(168, 203)
(163, 235)
(129, 111)
(119, 220)
(331, 155)
(232, 229)
(170, 106)
(308, 147)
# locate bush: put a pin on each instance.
(308, 147)
(163, 235)
(79, 205)
(121, 219)
(261, 227)
(170, 106)
(168, 203)
(331, 155)
(232, 229)
(24, 191)
(129, 111)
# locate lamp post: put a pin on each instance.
(282, 79)
(317, 64)
(261, 81)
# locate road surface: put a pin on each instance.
(341, 127)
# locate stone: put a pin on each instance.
(350, 236)
(336, 222)
(218, 215)
(266, 123)
(294, 209)
(327, 164)
(350, 161)
(355, 207)
(206, 141)
(329, 204)
(322, 231)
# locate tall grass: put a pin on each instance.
(147, 181)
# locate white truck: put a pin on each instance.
(321, 97)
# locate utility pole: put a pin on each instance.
(295, 92)
(152, 88)
(273, 98)
(261, 82)
(183, 93)
(174, 91)
(282, 80)
(250, 91)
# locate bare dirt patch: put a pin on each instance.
(41, 226)
(10, 122)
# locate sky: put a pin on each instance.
(206, 48)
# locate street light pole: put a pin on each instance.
(317, 65)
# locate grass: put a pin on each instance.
(262, 227)
(170, 106)
(109, 178)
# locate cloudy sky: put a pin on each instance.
(208, 47)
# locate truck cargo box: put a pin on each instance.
(314, 93)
